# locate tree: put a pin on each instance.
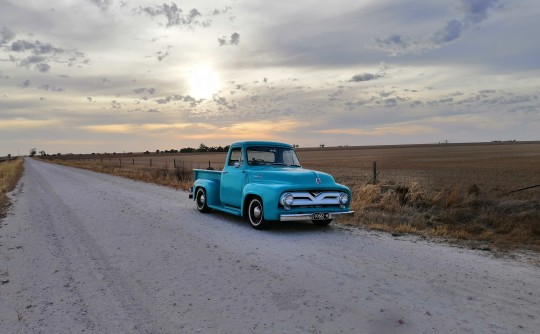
(33, 151)
(203, 148)
(42, 153)
(187, 150)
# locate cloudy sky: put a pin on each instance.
(88, 76)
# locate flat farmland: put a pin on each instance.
(499, 167)
(491, 166)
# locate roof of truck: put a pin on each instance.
(260, 143)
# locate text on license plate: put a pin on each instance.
(319, 216)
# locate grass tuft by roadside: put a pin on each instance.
(459, 214)
(180, 177)
(10, 173)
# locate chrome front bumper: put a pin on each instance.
(308, 216)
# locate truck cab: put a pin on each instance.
(265, 182)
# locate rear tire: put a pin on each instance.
(201, 200)
(322, 222)
(256, 214)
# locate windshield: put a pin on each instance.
(267, 155)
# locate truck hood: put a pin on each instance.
(298, 176)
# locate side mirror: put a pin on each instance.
(237, 164)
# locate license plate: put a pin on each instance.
(320, 216)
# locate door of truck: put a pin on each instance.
(232, 180)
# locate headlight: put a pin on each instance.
(343, 198)
(287, 199)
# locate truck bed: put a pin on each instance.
(208, 174)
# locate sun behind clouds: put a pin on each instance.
(203, 81)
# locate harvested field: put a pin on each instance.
(495, 166)
(500, 167)
(459, 192)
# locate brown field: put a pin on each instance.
(499, 167)
(493, 166)
(454, 191)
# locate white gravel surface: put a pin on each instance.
(93, 253)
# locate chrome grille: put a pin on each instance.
(315, 198)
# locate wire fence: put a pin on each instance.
(499, 179)
(486, 178)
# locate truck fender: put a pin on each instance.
(268, 195)
(212, 190)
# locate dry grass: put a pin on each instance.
(180, 177)
(10, 173)
(456, 192)
(460, 214)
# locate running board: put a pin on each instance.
(227, 209)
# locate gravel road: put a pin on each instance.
(93, 253)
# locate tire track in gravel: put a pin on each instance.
(80, 257)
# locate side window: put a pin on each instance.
(288, 157)
(236, 156)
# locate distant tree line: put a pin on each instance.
(202, 148)
(33, 152)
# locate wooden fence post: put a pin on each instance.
(375, 172)
(174, 163)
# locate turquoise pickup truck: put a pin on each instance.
(264, 182)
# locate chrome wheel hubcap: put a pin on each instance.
(257, 212)
(201, 200)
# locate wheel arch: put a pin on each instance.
(268, 194)
(245, 203)
(212, 191)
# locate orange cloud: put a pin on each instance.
(23, 123)
(247, 130)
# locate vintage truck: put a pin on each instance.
(264, 182)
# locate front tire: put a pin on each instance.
(322, 222)
(202, 201)
(256, 214)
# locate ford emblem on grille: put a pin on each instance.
(318, 180)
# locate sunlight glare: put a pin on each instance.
(203, 82)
